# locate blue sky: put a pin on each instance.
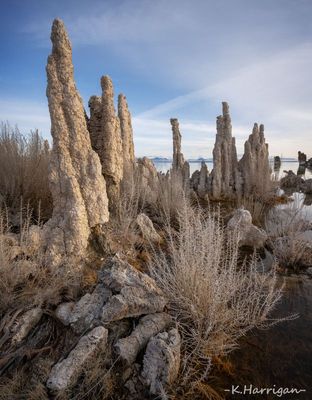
(171, 58)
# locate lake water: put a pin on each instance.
(286, 165)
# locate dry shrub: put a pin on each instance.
(25, 281)
(24, 163)
(214, 301)
(284, 227)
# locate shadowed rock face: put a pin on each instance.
(126, 132)
(254, 165)
(76, 181)
(225, 175)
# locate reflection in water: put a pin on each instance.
(282, 355)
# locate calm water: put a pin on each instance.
(282, 355)
(286, 165)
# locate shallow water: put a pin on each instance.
(282, 355)
(286, 165)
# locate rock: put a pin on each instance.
(203, 183)
(129, 347)
(76, 181)
(306, 186)
(277, 163)
(25, 324)
(110, 144)
(302, 158)
(180, 168)
(82, 316)
(147, 229)
(64, 373)
(161, 361)
(148, 173)
(178, 159)
(267, 263)
(291, 181)
(136, 292)
(126, 133)
(249, 234)
(226, 180)
(64, 311)
(254, 165)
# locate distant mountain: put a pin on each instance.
(160, 159)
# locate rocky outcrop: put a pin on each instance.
(254, 165)
(110, 144)
(64, 373)
(291, 181)
(203, 182)
(147, 229)
(226, 181)
(302, 158)
(161, 361)
(249, 234)
(277, 163)
(95, 122)
(135, 293)
(178, 159)
(82, 315)
(126, 133)
(76, 182)
(129, 347)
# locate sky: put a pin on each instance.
(171, 58)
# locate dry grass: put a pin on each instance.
(215, 302)
(24, 170)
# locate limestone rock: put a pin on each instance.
(249, 234)
(129, 347)
(64, 373)
(277, 163)
(126, 132)
(203, 183)
(95, 122)
(147, 229)
(226, 180)
(254, 165)
(63, 312)
(76, 182)
(25, 324)
(82, 315)
(302, 158)
(109, 144)
(178, 159)
(291, 181)
(306, 186)
(136, 292)
(162, 360)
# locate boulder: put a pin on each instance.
(135, 293)
(249, 234)
(64, 373)
(82, 316)
(161, 361)
(147, 229)
(129, 347)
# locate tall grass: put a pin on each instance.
(214, 301)
(24, 163)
